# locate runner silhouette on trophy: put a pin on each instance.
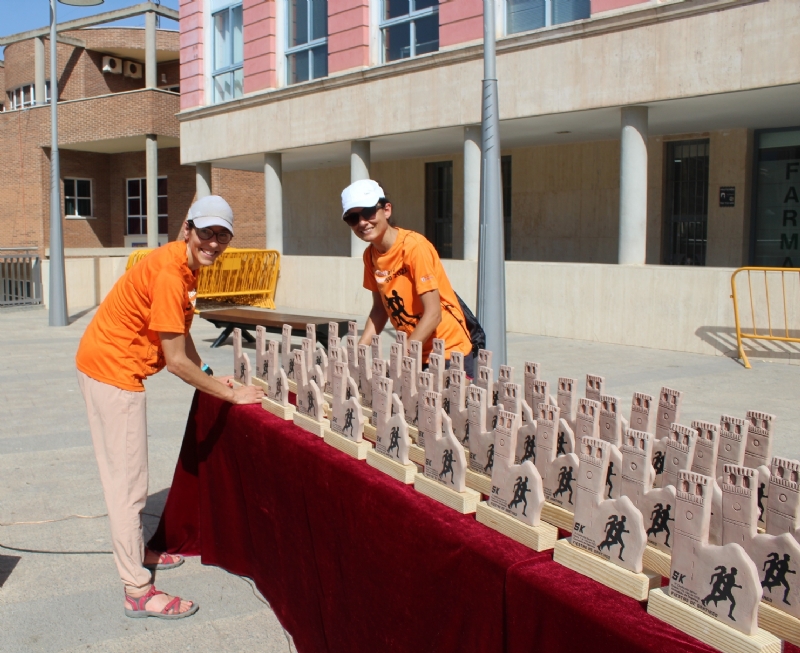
(775, 575)
(495, 397)
(447, 466)
(489, 459)
(348, 421)
(397, 311)
(416, 414)
(394, 442)
(265, 371)
(446, 405)
(659, 519)
(291, 367)
(530, 449)
(494, 422)
(278, 388)
(565, 479)
(658, 462)
(466, 434)
(609, 474)
(311, 404)
(347, 393)
(562, 444)
(241, 372)
(520, 490)
(722, 584)
(761, 496)
(615, 527)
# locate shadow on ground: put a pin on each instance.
(7, 564)
(723, 339)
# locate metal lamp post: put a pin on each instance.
(58, 288)
(491, 252)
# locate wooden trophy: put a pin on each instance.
(392, 444)
(732, 441)
(758, 452)
(396, 354)
(347, 421)
(262, 360)
(287, 359)
(241, 361)
(377, 372)
(276, 400)
(364, 384)
(595, 386)
(775, 554)
(667, 413)
(424, 383)
(310, 413)
(643, 413)
(558, 472)
(608, 538)
(479, 437)
(445, 462)
(529, 378)
(567, 399)
(516, 499)
(454, 399)
(714, 591)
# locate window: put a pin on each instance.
(25, 96)
(307, 54)
(525, 15)
(686, 203)
(439, 206)
(78, 198)
(505, 173)
(228, 76)
(776, 215)
(137, 206)
(409, 28)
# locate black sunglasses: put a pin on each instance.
(223, 237)
(352, 219)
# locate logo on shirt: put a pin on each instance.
(389, 274)
(427, 277)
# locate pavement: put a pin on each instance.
(62, 592)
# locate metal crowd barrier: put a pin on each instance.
(773, 295)
(21, 280)
(240, 276)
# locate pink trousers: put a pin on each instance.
(118, 422)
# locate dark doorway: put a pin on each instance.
(686, 210)
(439, 206)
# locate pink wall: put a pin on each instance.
(460, 21)
(192, 74)
(605, 5)
(348, 34)
(260, 45)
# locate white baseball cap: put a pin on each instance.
(363, 193)
(211, 211)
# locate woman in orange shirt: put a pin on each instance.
(408, 283)
(141, 327)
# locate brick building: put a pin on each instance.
(105, 114)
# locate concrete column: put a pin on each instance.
(633, 187)
(203, 179)
(151, 154)
(359, 169)
(39, 75)
(150, 64)
(472, 191)
(273, 192)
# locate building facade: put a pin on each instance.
(308, 94)
(107, 111)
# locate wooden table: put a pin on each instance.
(248, 319)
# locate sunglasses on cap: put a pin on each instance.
(352, 219)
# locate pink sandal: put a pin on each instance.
(137, 605)
(165, 561)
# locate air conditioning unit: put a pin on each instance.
(132, 69)
(112, 65)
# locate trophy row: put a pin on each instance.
(705, 504)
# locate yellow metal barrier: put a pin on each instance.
(767, 293)
(240, 276)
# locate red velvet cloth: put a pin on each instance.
(351, 560)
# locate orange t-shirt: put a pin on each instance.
(121, 345)
(410, 268)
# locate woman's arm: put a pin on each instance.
(375, 321)
(431, 316)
